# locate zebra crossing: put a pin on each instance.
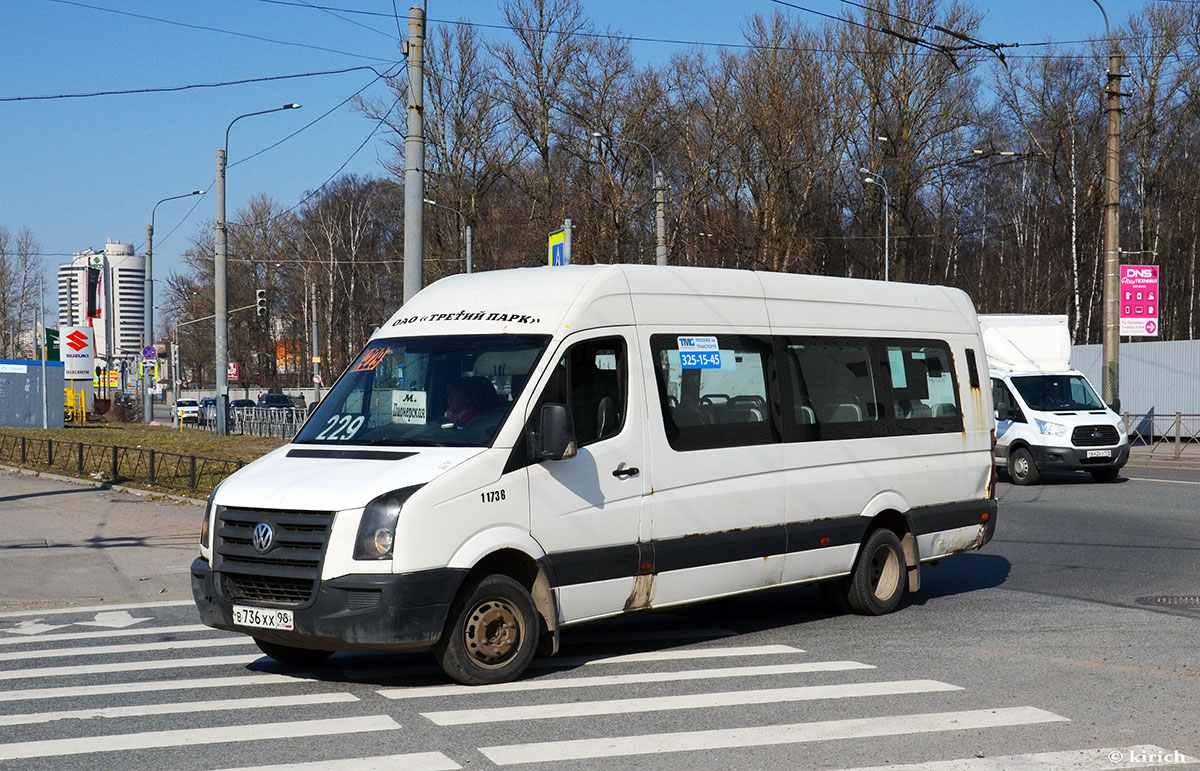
(148, 689)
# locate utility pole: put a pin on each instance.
(316, 356)
(220, 302)
(414, 158)
(1111, 381)
(660, 218)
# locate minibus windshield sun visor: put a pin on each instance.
(441, 391)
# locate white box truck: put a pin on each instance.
(1048, 416)
(518, 451)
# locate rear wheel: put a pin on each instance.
(877, 584)
(288, 654)
(1105, 474)
(1021, 468)
(491, 632)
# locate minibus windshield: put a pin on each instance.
(1057, 393)
(444, 391)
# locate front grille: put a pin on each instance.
(1094, 436)
(288, 572)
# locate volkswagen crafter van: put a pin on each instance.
(519, 451)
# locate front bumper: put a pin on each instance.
(359, 612)
(1076, 458)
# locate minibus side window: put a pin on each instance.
(592, 377)
(835, 389)
(714, 390)
(924, 392)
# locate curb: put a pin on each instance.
(100, 485)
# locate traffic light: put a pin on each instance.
(260, 302)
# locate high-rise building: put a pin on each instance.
(121, 299)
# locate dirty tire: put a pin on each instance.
(491, 632)
(286, 654)
(877, 584)
(1105, 474)
(1021, 468)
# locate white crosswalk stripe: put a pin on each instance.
(698, 701)
(415, 761)
(108, 650)
(108, 689)
(795, 733)
(128, 666)
(188, 736)
(604, 680)
(187, 707)
(134, 632)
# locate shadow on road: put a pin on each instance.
(27, 496)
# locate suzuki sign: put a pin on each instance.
(78, 352)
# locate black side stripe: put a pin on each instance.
(605, 563)
(351, 454)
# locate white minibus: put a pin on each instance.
(519, 451)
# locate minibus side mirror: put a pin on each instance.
(1116, 406)
(555, 437)
(1007, 413)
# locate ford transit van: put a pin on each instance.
(520, 451)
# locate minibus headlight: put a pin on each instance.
(377, 528)
(1051, 429)
(1121, 427)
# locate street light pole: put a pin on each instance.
(660, 197)
(872, 178)
(1111, 339)
(148, 328)
(219, 265)
(466, 227)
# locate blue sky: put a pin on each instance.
(79, 171)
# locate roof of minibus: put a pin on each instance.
(560, 300)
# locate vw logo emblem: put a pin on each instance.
(264, 538)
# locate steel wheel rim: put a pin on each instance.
(1020, 466)
(493, 633)
(885, 572)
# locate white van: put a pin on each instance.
(518, 451)
(1048, 416)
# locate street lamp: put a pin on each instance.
(222, 253)
(466, 227)
(872, 178)
(148, 328)
(660, 196)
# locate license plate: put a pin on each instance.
(263, 618)
(1099, 453)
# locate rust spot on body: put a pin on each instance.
(642, 594)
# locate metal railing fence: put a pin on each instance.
(1163, 434)
(111, 464)
(258, 421)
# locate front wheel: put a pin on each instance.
(288, 654)
(491, 632)
(1105, 474)
(877, 583)
(1021, 468)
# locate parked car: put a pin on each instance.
(187, 410)
(208, 408)
(239, 406)
(275, 401)
(298, 401)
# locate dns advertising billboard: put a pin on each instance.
(1139, 300)
(78, 351)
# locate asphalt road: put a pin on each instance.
(1034, 654)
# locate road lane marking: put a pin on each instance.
(73, 691)
(86, 745)
(1164, 481)
(695, 701)
(297, 700)
(96, 650)
(128, 666)
(633, 636)
(795, 733)
(96, 608)
(140, 632)
(1101, 759)
(415, 761)
(420, 692)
